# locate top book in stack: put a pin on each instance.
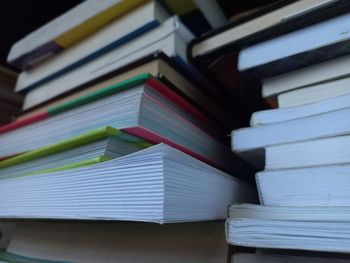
(67, 29)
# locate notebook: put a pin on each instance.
(151, 185)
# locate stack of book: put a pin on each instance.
(115, 128)
(303, 145)
(10, 102)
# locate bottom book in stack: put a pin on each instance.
(158, 184)
(76, 241)
(305, 228)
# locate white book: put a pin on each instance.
(267, 258)
(326, 151)
(108, 148)
(141, 111)
(250, 142)
(324, 229)
(255, 25)
(318, 73)
(291, 113)
(123, 242)
(308, 39)
(171, 38)
(159, 184)
(126, 26)
(314, 93)
(313, 186)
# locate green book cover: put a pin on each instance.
(96, 95)
(73, 142)
(88, 162)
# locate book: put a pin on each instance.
(325, 151)
(66, 30)
(171, 37)
(200, 242)
(297, 49)
(93, 147)
(131, 26)
(274, 15)
(292, 113)
(145, 189)
(158, 65)
(250, 142)
(314, 93)
(311, 75)
(199, 118)
(311, 186)
(142, 111)
(240, 91)
(323, 229)
(270, 258)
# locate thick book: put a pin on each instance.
(125, 242)
(93, 94)
(250, 142)
(297, 112)
(131, 26)
(67, 30)
(324, 229)
(315, 74)
(143, 186)
(312, 44)
(159, 65)
(93, 147)
(312, 186)
(314, 93)
(146, 111)
(271, 258)
(171, 37)
(326, 151)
